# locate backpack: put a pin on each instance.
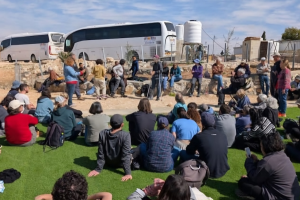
(195, 172)
(288, 124)
(54, 136)
(207, 75)
(144, 89)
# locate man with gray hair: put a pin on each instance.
(264, 69)
(261, 102)
(295, 88)
(237, 82)
(244, 66)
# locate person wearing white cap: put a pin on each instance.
(275, 70)
(295, 88)
(264, 69)
(197, 72)
(19, 127)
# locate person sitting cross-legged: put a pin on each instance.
(261, 102)
(114, 148)
(238, 81)
(241, 100)
(72, 185)
(272, 177)
(44, 107)
(212, 147)
(22, 97)
(259, 126)
(14, 89)
(157, 153)
(172, 116)
(243, 122)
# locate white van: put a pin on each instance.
(31, 46)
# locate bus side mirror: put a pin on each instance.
(1, 47)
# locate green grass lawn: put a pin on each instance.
(39, 171)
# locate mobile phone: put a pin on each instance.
(248, 152)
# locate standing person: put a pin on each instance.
(75, 67)
(141, 123)
(19, 127)
(44, 107)
(217, 70)
(263, 69)
(212, 147)
(119, 79)
(99, 82)
(283, 86)
(114, 148)
(273, 177)
(157, 151)
(244, 66)
(175, 75)
(275, 70)
(14, 88)
(156, 78)
(22, 97)
(165, 75)
(197, 77)
(94, 124)
(134, 67)
(295, 88)
(71, 78)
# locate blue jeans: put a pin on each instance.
(282, 100)
(219, 78)
(70, 91)
(158, 82)
(184, 156)
(77, 90)
(134, 71)
(164, 82)
(200, 55)
(175, 79)
(264, 80)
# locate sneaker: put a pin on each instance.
(80, 98)
(190, 95)
(279, 114)
(113, 96)
(283, 115)
(157, 99)
(242, 195)
(72, 106)
(123, 95)
(104, 97)
(198, 95)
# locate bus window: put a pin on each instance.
(78, 36)
(37, 39)
(5, 43)
(170, 26)
(55, 37)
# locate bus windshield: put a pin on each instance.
(170, 26)
(56, 37)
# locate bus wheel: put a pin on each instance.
(9, 58)
(85, 56)
(33, 59)
(134, 53)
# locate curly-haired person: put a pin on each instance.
(72, 185)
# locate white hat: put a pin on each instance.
(243, 61)
(276, 54)
(15, 104)
(59, 99)
(263, 58)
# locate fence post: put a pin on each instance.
(269, 52)
(207, 53)
(225, 56)
(247, 52)
(142, 47)
(104, 57)
(40, 65)
(294, 54)
(121, 52)
(155, 49)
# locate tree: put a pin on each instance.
(291, 33)
(264, 36)
(228, 40)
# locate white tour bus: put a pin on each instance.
(144, 40)
(31, 46)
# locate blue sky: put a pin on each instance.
(249, 17)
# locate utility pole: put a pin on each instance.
(213, 51)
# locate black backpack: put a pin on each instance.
(54, 136)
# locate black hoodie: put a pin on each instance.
(114, 149)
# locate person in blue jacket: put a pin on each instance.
(175, 75)
(135, 66)
(242, 100)
(44, 107)
(243, 122)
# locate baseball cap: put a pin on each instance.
(263, 58)
(15, 104)
(16, 84)
(207, 119)
(276, 54)
(156, 56)
(116, 120)
(297, 77)
(243, 61)
(59, 99)
(203, 107)
(162, 120)
(196, 61)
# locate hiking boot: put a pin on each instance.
(242, 195)
(123, 95)
(190, 95)
(113, 96)
(80, 98)
(198, 95)
(158, 99)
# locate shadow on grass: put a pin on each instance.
(225, 188)
(4, 142)
(80, 141)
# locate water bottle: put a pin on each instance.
(2, 186)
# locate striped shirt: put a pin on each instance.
(258, 131)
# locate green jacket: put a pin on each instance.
(65, 118)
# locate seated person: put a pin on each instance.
(77, 113)
(261, 102)
(295, 88)
(19, 127)
(44, 107)
(94, 124)
(292, 150)
(244, 66)
(241, 100)
(259, 126)
(53, 78)
(194, 114)
(205, 108)
(271, 111)
(85, 75)
(73, 185)
(175, 75)
(212, 147)
(3, 112)
(141, 123)
(172, 116)
(197, 72)
(292, 130)
(174, 188)
(14, 89)
(22, 97)
(157, 153)
(165, 75)
(114, 148)
(237, 82)
(225, 123)
(184, 129)
(243, 122)
(217, 70)
(65, 118)
(112, 81)
(273, 177)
